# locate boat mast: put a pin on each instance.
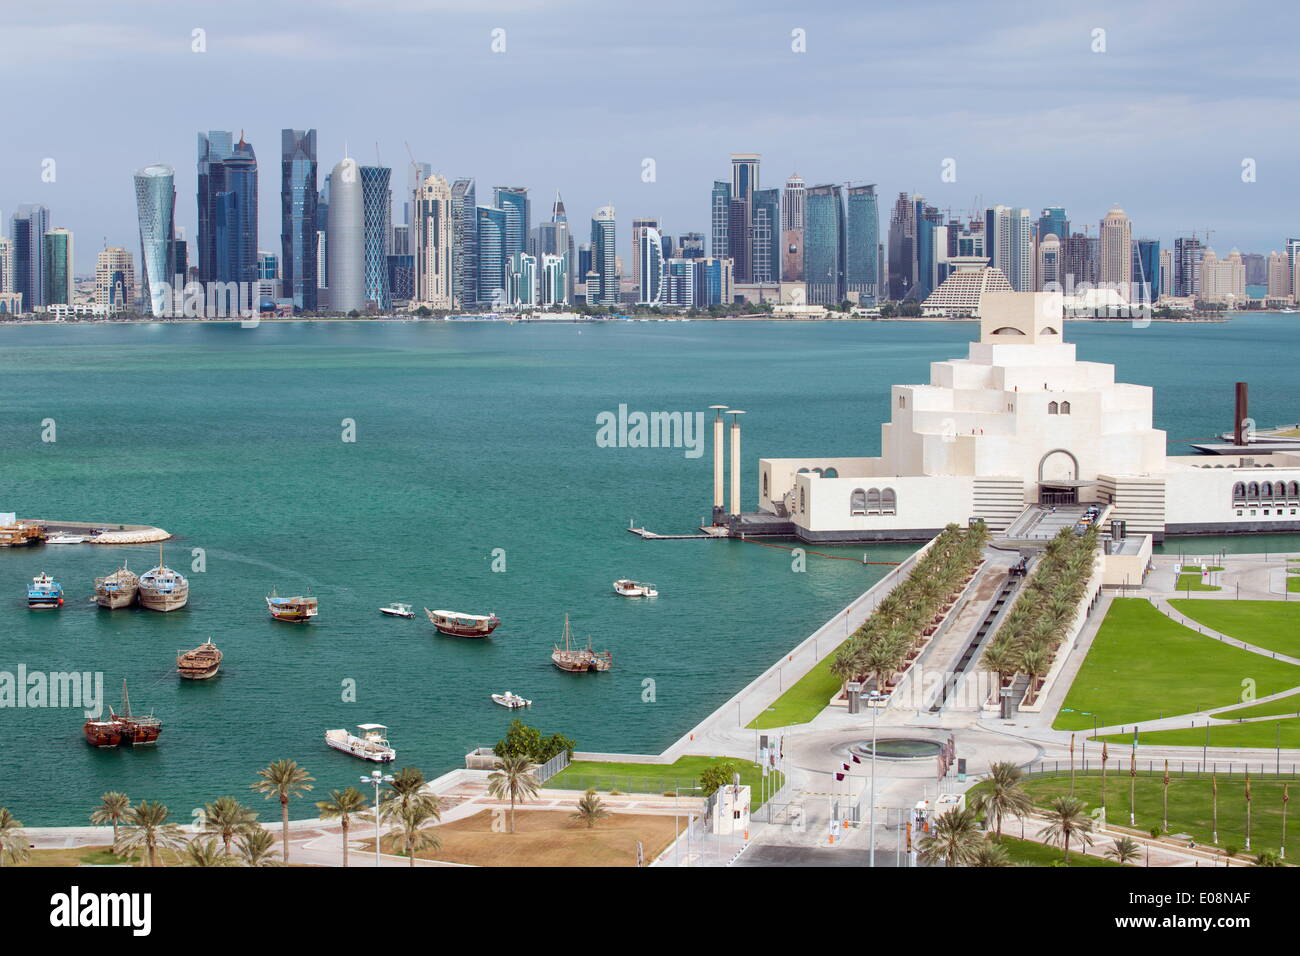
(126, 701)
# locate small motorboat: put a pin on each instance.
(371, 745)
(511, 701)
(397, 610)
(629, 588)
(67, 539)
(44, 593)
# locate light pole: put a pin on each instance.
(873, 700)
(377, 778)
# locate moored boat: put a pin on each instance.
(371, 745)
(117, 589)
(579, 660)
(296, 610)
(200, 663)
(44, 592)
(67, 539)
(162, 589)
(511, 701)
(397, 610)
(629, 588)
(457, 624)
(122, 729)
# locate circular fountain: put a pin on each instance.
(898, 748)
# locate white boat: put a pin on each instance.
(67, 539)
(629, 588)
(371, 745)
(397, 610)
(512, 701)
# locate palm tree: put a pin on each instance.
(1003, 796)
(1067, 819)
(13, 838)
(146, 826)
(283, 779)
(255, 847)
(590, 809)
(954, 839)
(1286, 798)
(1000, 660)
(405, 789)
(1124, 850)
(1105, 755)
(990, 854)
(513, 780)
(342, 804)
(113, 808)
(1247, 810)
(1268, 858)
(1214, 807)
(205, 851)
(1165, 782)
(415, 822)
(227, 817)
(1132, 784)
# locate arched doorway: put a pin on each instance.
(1058, 478)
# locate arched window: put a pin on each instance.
(1053, 408)
(1294, 490)
(873, 501)
(889, 501)
(803, 502)
(1239, 491)
(1266, 490)
(1252, 491)
(1048, 330)
(1065, 408)
(817, 472)
(764, 484)
(1007, 330)
(858, 502)
(802, 471)
(830, 473)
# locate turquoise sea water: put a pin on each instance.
(469, 438)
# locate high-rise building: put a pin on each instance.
(604, 264)
(1049, 263)
(298, 195)
(639, 226)
(792, 203)
(1115, 245)
(227, 202)
(27, 229)
(59, 263)
(1279, 276)
(902, 247)
(679, 283)
(6, 266)
(491, 232)
(435, 229)
(792, 226)
(824, 245)
(155, 203)
(554, 280)
(1146, 269)
(712, 282)
(1053, 221)
(1222, 281)
(1166, 272)
(861, 245)
(377, 225)
(649, 256)
(521, 279)
(765, 230)
(720, 218)
(1187, 267)
(513, 200)
(691, 246)
(1079, 265)
(464, 243)
(1009, 245)
(345, 237)
(114, 280)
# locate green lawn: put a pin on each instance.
(655, 777)
(1192, 582)
(1029, 853)
(1142, 665)
(1293, 584)
(1261, 734)
(803, 700)
(1274, 625)
(1282, 707)
(1190, 804)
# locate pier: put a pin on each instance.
(114, 533)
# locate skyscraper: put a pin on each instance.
(58, 264)
(1187, 267)
(1115, 249)
(298, 195)
(744, 182)
(1049, 262)
(434, 239)
(227, 201)
(155, 203)
(861, 244)
(1146, 268)
(114, 280)
(464, 243)
(377, 224)
(648, 253)
(345, 237)
(492, 256)
(604, 266)
(792, 226)
(521, 279)
(1053, 221)
(639, 226)
(766, 232)
(554, 280)
(902, 247)
(1279, 276)
(27, 229)
(1009, 245)
(720, 219)
(824, 238)
(513, 201)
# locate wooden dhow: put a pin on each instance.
(200, 663)
(579, 660)
(295, 610)
(122, 729)
(457, 624)
(161, 588)
(118, 589)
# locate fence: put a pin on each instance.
(1117, 765)
(553, 766)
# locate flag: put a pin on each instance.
(845, 767)
(857, 759)
(839, 776)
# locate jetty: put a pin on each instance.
(113, 533)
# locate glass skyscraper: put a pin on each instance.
(513, 201)
(491, 231)
(720, 212)
(58, 264)
(298, 223)
(227, 201)
(377, 215)
(862, 244)
(1052, 220)
(464, 243)
(155, 203)
(823, 262)
(604, 259)
(27, 229)
(767, 235)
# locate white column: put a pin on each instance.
(718, 500)
(735, 461)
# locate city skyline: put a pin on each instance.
(1182, 145)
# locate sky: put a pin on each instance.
(1029, 103)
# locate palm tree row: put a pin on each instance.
(1032, 632)
(904, 620)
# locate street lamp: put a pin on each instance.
(377, 778)
(874, 699)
